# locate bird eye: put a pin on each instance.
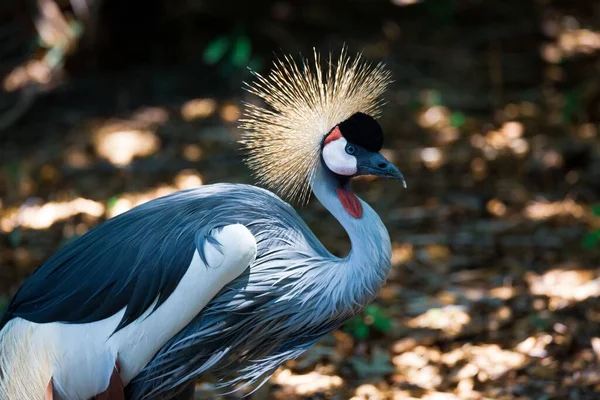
(350, 149)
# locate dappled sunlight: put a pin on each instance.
(435, 117)
(193, 152)
(120, 147)
(539, 210)
(198, 109)
(77, 158)
(570, 38)
(502, 292)
(587, 131)
(418, 357)
(186, 179)
(488, 361)
(57, 37)
(496, 207)
(45, 215)
(427, 395)
(476, 294)
(230, 112)
(368, 392)
(440, 396)
(32, 71)
(419, 367)
(126, 201)
(565, 286)
(507, 139)
(307, 384)
(595, 342)
(151, 115)
(577, 41)
(525, 109)
(427, 377)
(432, 157)
(449, 319)
(402, 3)
(442, 123)
(402, 253)
(535, 346)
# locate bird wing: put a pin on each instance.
(135, 260)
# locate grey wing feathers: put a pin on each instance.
(253, 324)
(128, 261)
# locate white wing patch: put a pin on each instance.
(336, 158)
(80, 357)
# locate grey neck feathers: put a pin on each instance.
(366, 266)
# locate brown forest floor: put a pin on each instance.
(492, 293)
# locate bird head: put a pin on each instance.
(316, 117)
(352, 148)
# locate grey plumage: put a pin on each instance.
(293, 294)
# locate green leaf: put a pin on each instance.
(357, 327)
(112, 202)
(381, 321)
(596, 210)
(373, 310)
(591, 240)
(382, 324)
(352, 323)
(458, 119)
(216, 49)
(241, 52)
(361, 332)
(572, 105)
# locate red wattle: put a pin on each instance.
(350, 202)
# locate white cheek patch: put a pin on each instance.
(336, 158)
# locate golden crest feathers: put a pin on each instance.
(304, 101)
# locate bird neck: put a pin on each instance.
(370, 256)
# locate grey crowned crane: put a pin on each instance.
(225, 279)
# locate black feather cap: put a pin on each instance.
(363, 130)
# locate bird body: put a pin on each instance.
(224, 278)
(295, 292)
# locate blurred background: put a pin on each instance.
(493, 118)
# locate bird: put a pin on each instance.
(224, 279)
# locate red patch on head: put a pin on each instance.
(334, 135)
(350, 202)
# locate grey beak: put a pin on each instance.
(376, 164)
